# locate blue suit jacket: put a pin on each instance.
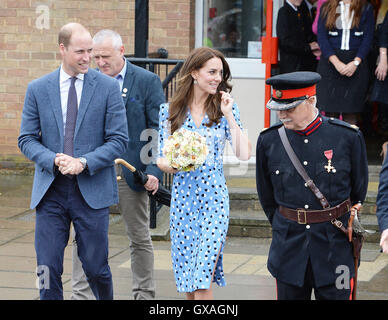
(100, 135)
(142, 94)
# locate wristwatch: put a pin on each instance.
(83, 162)
(356, 62)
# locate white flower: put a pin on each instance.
(185, 150)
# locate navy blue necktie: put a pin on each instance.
(71, 118)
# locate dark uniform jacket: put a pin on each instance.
(278, 183)
(294, 33)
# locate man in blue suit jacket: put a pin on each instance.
(142, 94)
(77, 185)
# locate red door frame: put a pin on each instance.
(269, 57)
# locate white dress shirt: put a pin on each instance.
(64, 86)
(346, 23)
(120, 77)
(292, 6)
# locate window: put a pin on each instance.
(234, 27)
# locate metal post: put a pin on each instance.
(141, 28)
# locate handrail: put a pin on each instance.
(154, 60)
(172, 74)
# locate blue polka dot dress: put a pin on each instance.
(199, 211)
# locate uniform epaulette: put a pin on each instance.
(274, 126)
(343, 124)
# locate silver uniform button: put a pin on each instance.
(306, 206)
(305, 163)
(306, 140)
(277, 171)
(308, 226)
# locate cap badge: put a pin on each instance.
(278, 94)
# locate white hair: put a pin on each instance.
(104, 34)
(315, 101)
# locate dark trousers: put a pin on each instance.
(287, 291)
(62, 204)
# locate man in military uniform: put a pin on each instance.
(308, 251)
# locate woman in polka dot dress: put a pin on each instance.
(199, 212)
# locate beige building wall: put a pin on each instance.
(29, 49)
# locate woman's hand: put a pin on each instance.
(226, 103)
(164, 166)
(382, 67)
(338, 64)
(240, 144)
(340, 67)
(349, 69)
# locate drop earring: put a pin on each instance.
(195, 81)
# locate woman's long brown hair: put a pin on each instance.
(184, 93)
(329, 10)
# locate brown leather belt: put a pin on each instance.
(303, 216)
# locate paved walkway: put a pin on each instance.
(244, 258)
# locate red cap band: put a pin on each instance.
(293, 93)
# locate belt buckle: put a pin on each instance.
(337, 223)
(303, 213)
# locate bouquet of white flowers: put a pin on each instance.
(185, 150)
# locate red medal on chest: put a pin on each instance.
(329, 156)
